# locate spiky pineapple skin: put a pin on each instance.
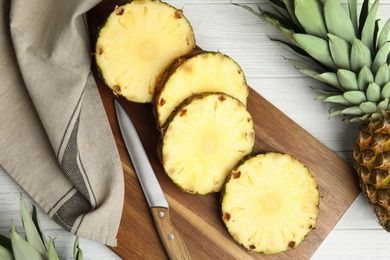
(372, 163)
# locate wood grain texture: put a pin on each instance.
(174, 245)
(197, 217)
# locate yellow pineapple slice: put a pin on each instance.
(270, 203)
(201, 71)
(138, 41)
(203, 140)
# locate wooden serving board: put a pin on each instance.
(198, 217)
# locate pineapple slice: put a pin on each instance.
(201, 71)
(203, 140)
(270, 203)
(138, 41)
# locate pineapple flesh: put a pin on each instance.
(201, 71)
(270, 203)
(203, 140)
(137, 42)
(350, 50)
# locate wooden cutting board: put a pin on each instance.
(197, 217)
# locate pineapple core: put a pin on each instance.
(270, 203)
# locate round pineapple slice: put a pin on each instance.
(270, 203)
(199, 72)
(205, 137)
(138, 41)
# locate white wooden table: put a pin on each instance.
(221, 26)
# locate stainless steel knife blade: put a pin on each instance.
(152, 189)
(158, 204)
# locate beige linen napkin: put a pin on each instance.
(55, 139)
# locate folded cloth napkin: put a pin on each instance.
(55, 139)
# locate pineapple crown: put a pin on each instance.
(34, 245)
(350, 51)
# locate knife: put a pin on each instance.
(172, 241)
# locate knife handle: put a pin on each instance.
(173, 243)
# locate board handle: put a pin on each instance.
(172, 241)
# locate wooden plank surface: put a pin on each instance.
(198, 217)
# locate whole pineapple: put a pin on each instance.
(351, 55)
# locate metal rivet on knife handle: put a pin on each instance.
(161, 214)
(170, 238)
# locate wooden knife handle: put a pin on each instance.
(173, 243)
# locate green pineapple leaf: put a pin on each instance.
(363, 15)
(381, 57)
(290, 8)
(339, 49)
(353, 119)
(34, 217)
(337, 111)
(328, 77)
(271, 19)
(332, 79)
(52, 254)
(5, 253)
(317, 48)
(281, 20)
(17, 247)
(292, 47)
(374, 40)
(384, 34)
(324, 93)
(32, 235)
(337, 21)
(355, 97)
(383, 75)
(5, 242)
(352, 51)
(373, 92)
(368, 107)
(304, 68)
(77, 252)
(348, 79)
(352, 111)
(369, 28)
(384, 104)
(360, 56)
(23, 249)
(310, 16)
(280, 7)
(338, 99)
(385, 92)
(365, 77)
(352, 7)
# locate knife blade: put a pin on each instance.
(172, 241)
